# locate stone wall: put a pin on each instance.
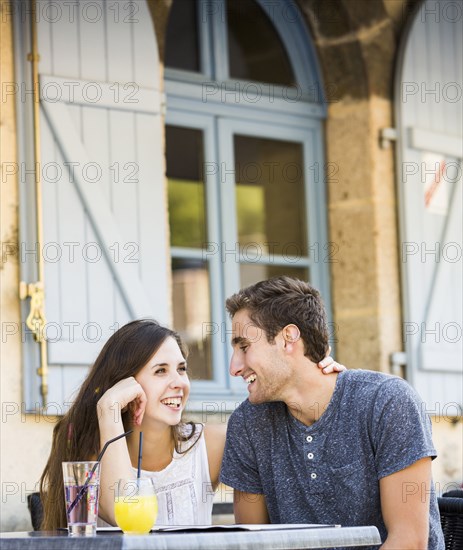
(24, 439)
(357, 43)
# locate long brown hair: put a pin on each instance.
(77, 436)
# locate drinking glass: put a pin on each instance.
(135, 505)
(81, 515)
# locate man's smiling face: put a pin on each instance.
(261, 364)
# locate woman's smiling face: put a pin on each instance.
(165, 382)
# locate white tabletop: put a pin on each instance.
(289, 539)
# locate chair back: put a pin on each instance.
(456, 493)
(451, 517)
(36, 509)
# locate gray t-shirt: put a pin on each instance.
(329, 472)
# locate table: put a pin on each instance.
(288, 539)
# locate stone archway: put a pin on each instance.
(159, 10)
(357, 45)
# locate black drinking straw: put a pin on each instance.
(81, 493)
(140, 447)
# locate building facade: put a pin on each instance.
(183, 149)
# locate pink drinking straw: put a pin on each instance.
(81, 493)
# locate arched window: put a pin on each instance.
(245, 169)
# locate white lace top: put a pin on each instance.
(184, 488)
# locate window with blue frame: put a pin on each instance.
(246, 179)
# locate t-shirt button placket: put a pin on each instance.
(310, 456)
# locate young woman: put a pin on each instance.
(139, 381)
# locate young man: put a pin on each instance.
(354, 448)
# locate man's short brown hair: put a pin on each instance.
(281, 301)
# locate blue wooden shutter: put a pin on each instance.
(104, 203)
(429, 115)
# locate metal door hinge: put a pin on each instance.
(36, 319)
(387, 135)
(398, 361)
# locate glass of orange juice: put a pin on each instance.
(135, 505)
